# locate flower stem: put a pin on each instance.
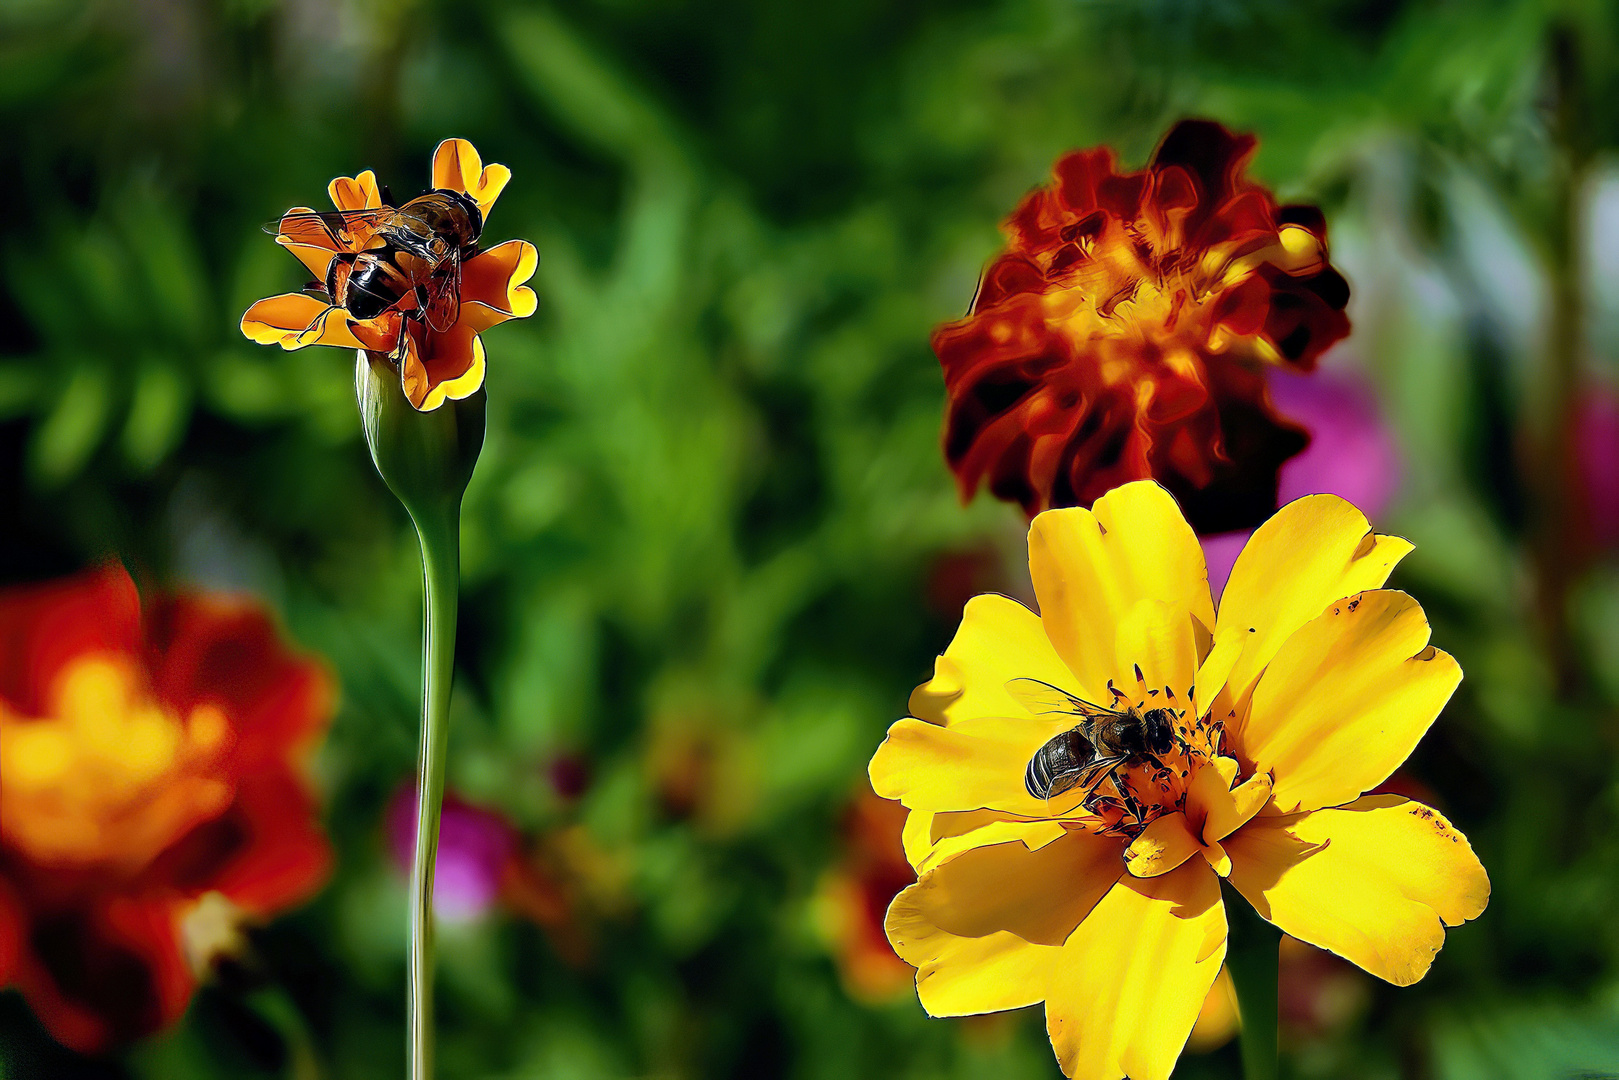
(440, 540)
(426, 459)
(1251, 957)
(441, 552)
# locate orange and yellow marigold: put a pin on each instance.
(1306, 689)
(435, 364)
(1123, 332)
(153, 796)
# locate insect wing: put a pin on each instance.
(444, 295)
(1044, 699)
(342, 230)
(1078, 786)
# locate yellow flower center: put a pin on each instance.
(1131, 286)
(108, 775)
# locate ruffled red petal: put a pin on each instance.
(95, 948)
(45, 627)
(1122, 333)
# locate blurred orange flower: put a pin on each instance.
(437, 350)
(152, 796)
(1123, 333)
(853, 897)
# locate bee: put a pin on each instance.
(1104, 739)
(405, 258)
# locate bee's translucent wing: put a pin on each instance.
(1044, 699)
(444, 294)
(347, 230)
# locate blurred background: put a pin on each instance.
(712, 543)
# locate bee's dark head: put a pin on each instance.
(1158, 730)
(474, 213)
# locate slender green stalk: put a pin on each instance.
(441, 547)
(1251, 958)
(426, 459)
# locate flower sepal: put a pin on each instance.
(426, 458)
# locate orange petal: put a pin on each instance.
(293, 320)
(441, 367)
(380, 334)
(492, 288)
(308, 239)
(457, 166)
(355, 192)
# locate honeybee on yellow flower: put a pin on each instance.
(1101, 897)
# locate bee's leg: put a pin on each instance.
(1123, 789)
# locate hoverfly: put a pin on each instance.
(391, 255)
(1104, 739)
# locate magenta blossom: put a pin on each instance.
(1351, 453)
(474, 848)
(1596, 427)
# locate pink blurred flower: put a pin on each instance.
(1351, 454)
(475, 848)
(1596, 433)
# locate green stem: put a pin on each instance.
(441, 547)
(1251, 958)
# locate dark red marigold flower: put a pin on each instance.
(1123, 334)
(152, 796)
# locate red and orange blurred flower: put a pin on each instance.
(1124, 331)
(853, 896)
(152, 796)
(434, 365)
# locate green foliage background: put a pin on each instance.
(712, 498)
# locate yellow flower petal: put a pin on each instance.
(355, 192)
(1212, 675)
(1346, 700)
(1313, 551)
(294, 320)
(1156, 639)
(972, 764)
(1162, 846)
(957, 976)
(999, 640)
(1033, 835)
(1226, 810)
(1134, 976)
(1376, 881)
(984, 928)
(917, 836)
(1091, 567)
(926, 832)
(457, 166)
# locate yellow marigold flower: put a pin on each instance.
(1236, 746)
(408, 281)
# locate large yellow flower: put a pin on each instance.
(1104, 900)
